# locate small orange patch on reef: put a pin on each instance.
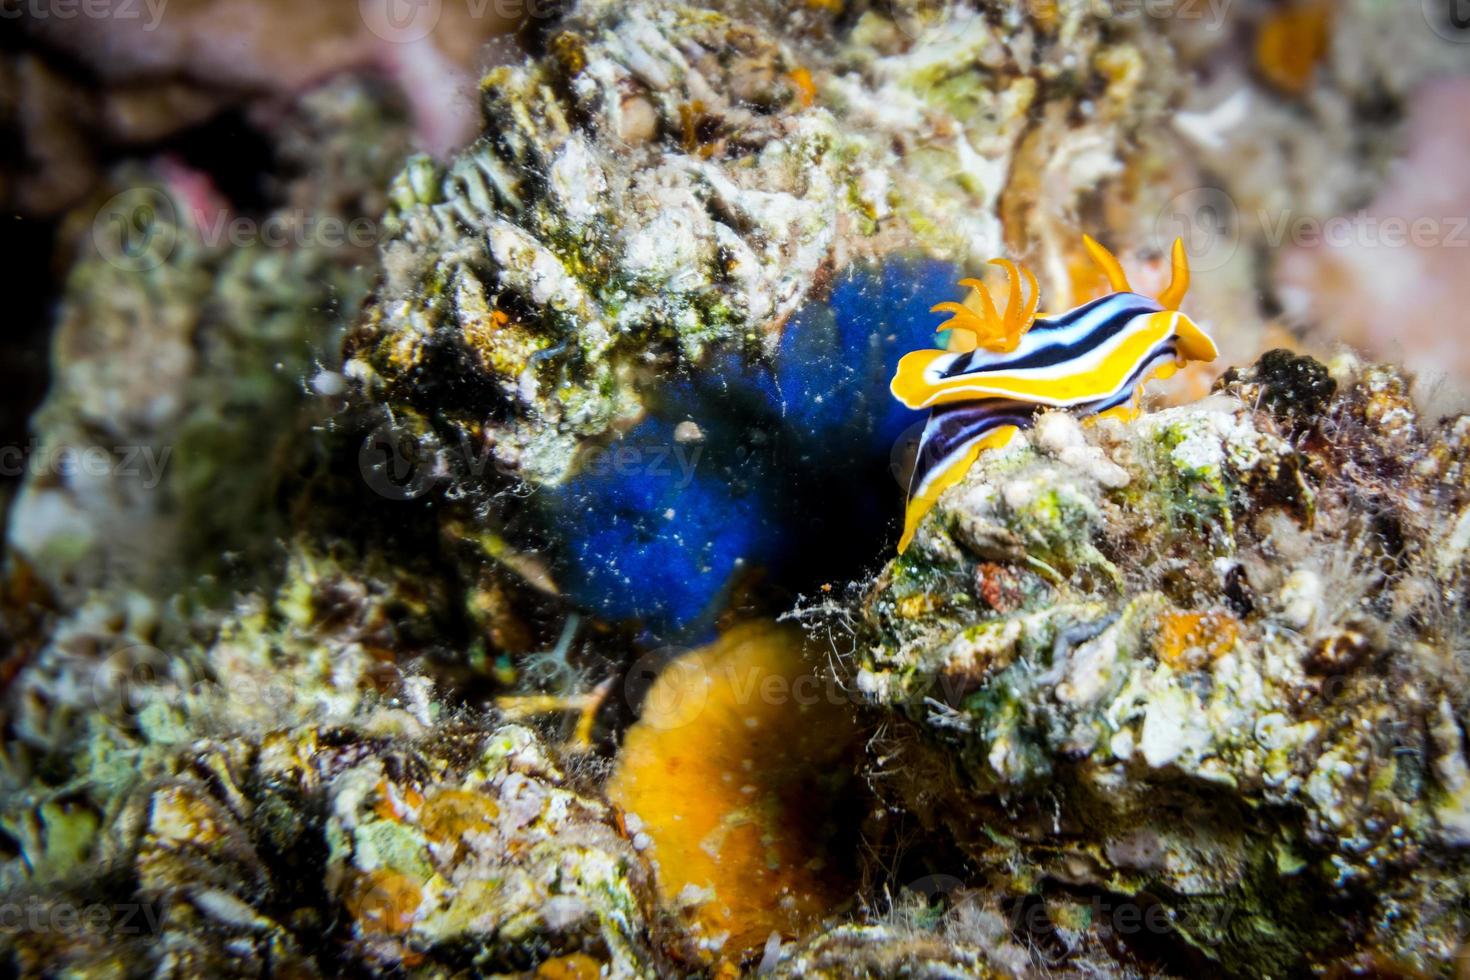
(451, 813)
(1045, 14)
(729, 781)
(1191, 640)
(1291, 43)
(573, 966)
(384, 902)
(806, 89)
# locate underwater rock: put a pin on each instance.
(1230, 685)
(183, 339)
(494, 861)
(443, 847)
(109, 700)
(1179, 697)
(110, 692)
(879, 951)
(272, 52)
(1291, 386)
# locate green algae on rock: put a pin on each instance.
(1232, 683)
(457, 846)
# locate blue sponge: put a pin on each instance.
(789, 471)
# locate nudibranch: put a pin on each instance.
(999, 371)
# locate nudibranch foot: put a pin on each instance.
(1093, 360)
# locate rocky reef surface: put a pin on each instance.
(509, 592)
(1209, 665)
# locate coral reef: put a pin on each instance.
(496, 858)
(291, 795)
(351, 675)
(1211, 661)
(309, 851)
(661, 183)
(672, 195)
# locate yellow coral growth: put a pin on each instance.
(1191, 640)
(1291, 43)
(574, 966)
(724, 775)
(384, 902)
(806, 89)
(451, 813)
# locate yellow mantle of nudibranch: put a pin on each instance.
(914, 390)
(721, 781)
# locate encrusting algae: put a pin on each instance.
(1292, 42)
(731, 781)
